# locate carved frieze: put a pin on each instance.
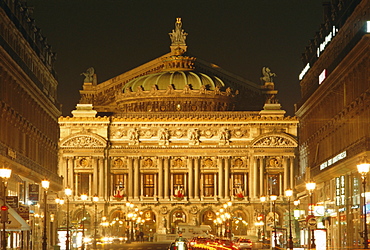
(193, 135)
(83, 141)
(224, 135)
(275, 141)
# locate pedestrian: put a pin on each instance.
(141, 235)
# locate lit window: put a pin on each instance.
(209, 185)
(148, 185)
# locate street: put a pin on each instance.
(136, 246)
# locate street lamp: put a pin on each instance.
(83, 198)
(289, 193)
(5, 174)
(45, 184)
(67, 192)
(59, 203)
(310, 186)
(263, 200)
(273, 198)
(363, 169)
(228, 226)
(95, 200)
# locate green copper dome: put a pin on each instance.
(176, 79)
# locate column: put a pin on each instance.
(70, 169)
(196, 177)
(227, 178)
(166, 178)
(220, 177)
(136, 178)
(94, 163)
(103, 181)
(253, 178)
(160, 177)
(262, 175)
(130, 187)
(291, 171)
(286, 173)
(191, 178)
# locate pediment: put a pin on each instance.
(86, 140)
(275, 140)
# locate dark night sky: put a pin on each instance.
(241, 36)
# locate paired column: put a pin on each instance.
(191, 178)
(227, 178)
(220, 177)
(160, 178)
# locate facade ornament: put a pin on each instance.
(178, 36)
(164, 210)
(194, 210)
(224, 135)
(267, 75)
(272, 141)
(89, 75)
(83, 142)
(164, 136)
(193, 136)
(133, 136)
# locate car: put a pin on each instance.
(243, 243)
(179, 244)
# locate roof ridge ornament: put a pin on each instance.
(178, 36)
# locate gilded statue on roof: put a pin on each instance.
(178, 35)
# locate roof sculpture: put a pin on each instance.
(173, 82)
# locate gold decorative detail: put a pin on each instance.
(83, 141)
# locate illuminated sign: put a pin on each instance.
(322, 76)
(328, 38)
(304, 71)
(333, 160)
(367, 26)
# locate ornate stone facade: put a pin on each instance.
(148, 157)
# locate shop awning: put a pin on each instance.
(17, 223)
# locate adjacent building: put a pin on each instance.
(334, 114)
(172, 141)
(29, 114)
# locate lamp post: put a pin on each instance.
(289, 193)
(5, 174)
(263, 200)
(67, 192)
(95, 200)
(363, 169)
(273, 198)
(310, 186)
(83, 198)
(45, 184)
(59, 203)
(228, 226)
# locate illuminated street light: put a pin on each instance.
(67, 192)
(45, 184)
(310, 186)
(363, 169)
(83, 198)
(5, 174)
(273, 198)
(263, 200)
(289, 193)
(95, 200)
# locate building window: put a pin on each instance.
(148, 185)
(273, 184)
(209, 185)
(178, 183)
(83, 183)
(238, 184)
(118, 186)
